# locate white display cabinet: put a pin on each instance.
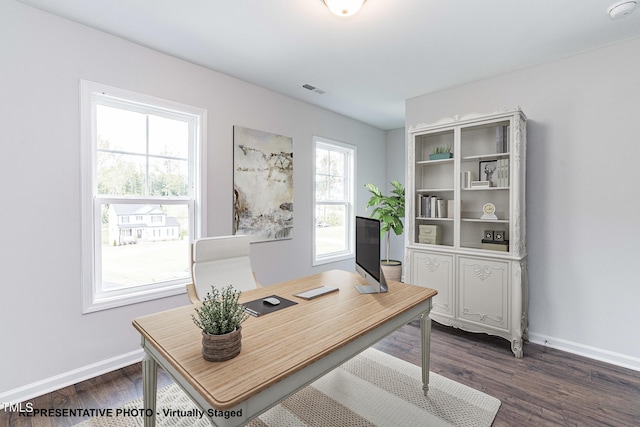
(466, 223)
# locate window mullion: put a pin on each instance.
(332, 202)
(147, 166)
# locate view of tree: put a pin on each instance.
(125, 174)
(329, 187)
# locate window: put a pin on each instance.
(333, 201)
(142, 197)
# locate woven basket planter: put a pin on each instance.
(392, 269)
(218, 348)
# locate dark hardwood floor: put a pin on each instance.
(545, 388)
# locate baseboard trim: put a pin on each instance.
(38, 388)
(595, 353)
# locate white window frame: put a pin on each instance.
(350, 178)
(92, 94)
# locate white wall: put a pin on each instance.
(396, 159)
(46, 340)
(582, 200)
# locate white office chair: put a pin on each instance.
(219, 262)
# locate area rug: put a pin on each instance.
(372, 389)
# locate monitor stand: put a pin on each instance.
(374, 286)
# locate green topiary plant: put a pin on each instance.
(220, 312)
(441, 150)
(388, 209)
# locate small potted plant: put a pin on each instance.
(443, 152)
(390, 211)
(220, 317)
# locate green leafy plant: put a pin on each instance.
(441, 150)
(220, 312)
(388, 209)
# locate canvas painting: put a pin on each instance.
(262, 184)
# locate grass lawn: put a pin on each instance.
(153, 262)
(329, 239)
(144, 262)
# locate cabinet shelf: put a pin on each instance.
(484, 157)
(475, 247)
(433, 190)
(484, 188)
(487, 221)
(445, 245)
(434, 162)
(425, 218)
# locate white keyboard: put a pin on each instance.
(316, 292)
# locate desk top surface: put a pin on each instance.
(280, 343)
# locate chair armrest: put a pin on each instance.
(258, 285)
(191, 293)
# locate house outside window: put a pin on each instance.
(142, 195)
(334, 172)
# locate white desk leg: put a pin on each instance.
(149, 389)
(425, 331)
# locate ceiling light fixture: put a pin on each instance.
(621, 8)
(344, 8)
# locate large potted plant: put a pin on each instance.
(220, 317)
(390, 211)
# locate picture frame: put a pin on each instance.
(487, 172)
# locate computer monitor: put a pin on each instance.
(368, 255)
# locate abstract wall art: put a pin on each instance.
(262, 184)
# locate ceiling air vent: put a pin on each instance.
(313, 88)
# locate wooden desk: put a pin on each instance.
(282, 351)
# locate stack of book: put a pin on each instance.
(480, 184)
(502, 139)
(432, 206)
(502, 173)
(492, 245)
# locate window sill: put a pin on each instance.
(108, 301)
(332, 258)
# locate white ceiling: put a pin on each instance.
(369, 64)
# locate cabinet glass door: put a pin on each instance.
(434, 188)
(484, 186)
